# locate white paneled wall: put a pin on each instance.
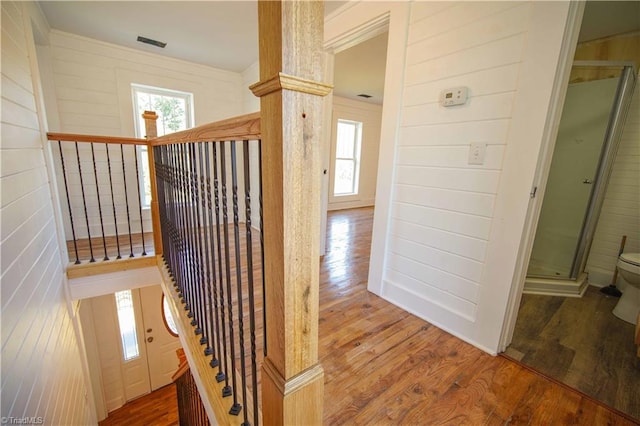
(442, 206)
(42, 373)
(92, 91)
(620, 213)
(448, 236)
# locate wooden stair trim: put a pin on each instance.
(243, 127)
(108, 266)
(184, 368)
(75, 137)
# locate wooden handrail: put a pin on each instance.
(73, 137)
(184, 367)
(242, 127)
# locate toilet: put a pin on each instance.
(629, 304)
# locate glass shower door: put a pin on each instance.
(577, 154)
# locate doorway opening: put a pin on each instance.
(134, 346)
(588, 137)
(565, 326)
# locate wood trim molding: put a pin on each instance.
(73, 137)
(107, 266)
(184, 367)
(243, 127)
(294, 383)
(289, 82)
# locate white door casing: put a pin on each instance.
(123, 380)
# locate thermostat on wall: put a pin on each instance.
(455, 96)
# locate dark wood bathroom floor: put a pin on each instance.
(579, 342)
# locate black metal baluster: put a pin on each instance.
(209, 350)
(195, 209)
(189, 237)
(66, 190)
(126, 199)
(264, 296)
(135, 153)
(193, 281)
(226, 390)
(84, 203)
(235, 408)
(175, 223)
(95, 175)
(184, 230)
(236, 239)
(113, 201)
(213, 282)
(172, 219)
(252, 304)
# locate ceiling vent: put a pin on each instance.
(151, 42)
(364, 95)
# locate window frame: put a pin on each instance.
(136, 337)
(164, 316)
(140, 130)
(355, 158)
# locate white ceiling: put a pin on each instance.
(221, 34)
(224, 34)
(360, 70)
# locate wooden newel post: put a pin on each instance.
(151, 131)
(291, 34)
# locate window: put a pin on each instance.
(168, 318)
(127, 322)
(347, 168)
(175, 113)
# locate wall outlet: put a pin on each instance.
(476, 153)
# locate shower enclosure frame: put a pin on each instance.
(620, 107)
(619, 112)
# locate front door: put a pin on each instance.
(161, 343)
(147, 346)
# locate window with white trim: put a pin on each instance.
(347, 158)
(127, 325)
(175, 113)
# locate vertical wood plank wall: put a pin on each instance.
(42, 371)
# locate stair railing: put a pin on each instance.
(100, 181)
(209, 202)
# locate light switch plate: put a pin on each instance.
(476, 153)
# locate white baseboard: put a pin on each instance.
(556, 287)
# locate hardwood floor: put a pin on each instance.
(579, 341)
(384, 366)
(159, 408)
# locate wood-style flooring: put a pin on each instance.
(384, 366)
(159, 408)
(579, 341)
